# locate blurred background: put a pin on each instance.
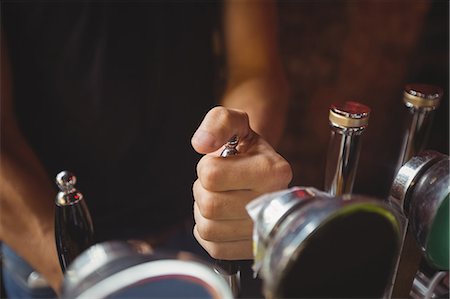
(364, 51)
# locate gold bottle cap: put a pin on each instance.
(349, 115)
(422, 95)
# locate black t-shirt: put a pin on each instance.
(113, 91)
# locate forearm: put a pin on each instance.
(265, 99)
(256, 82)
(27, 213)
(26, 194)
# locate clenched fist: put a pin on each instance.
(225, 185)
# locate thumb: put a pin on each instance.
(218, 126)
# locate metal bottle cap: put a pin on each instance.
(422, 96)
(349, 115)
(68, 194)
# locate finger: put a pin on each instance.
(228, 205)
(222, 230)
(264, 172)
(239, 250)
(218, 126)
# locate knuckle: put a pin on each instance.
(207, 207)
(216, 251)
(196, 189)
(226, 116)
(202, 164)
(266, 163)
(220, 114)
(200, 195)
(217, 110)
(209, 176)
(245, 118)
(283, 172)
(205, 231)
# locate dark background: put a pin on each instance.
(365, 51)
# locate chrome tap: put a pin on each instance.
(230, 270)
(74, 231)
(421, 100)
(422, 189)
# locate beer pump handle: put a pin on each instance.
(347, 123)
(421, 100)
(74, 230)
(230, 270)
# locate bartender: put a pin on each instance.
(114, 91)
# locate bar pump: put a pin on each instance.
(421, 100)
(310, 243)
(133, 269)
(122, 268)
(74, 231)
(422, 187)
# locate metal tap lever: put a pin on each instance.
(421, 101)
(230, 270)
(230, 147)
(74, 230)
(347, 122)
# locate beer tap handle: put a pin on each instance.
(230, 270)
(230, 147)
(74, 230)
(421, 100)
(347, 122)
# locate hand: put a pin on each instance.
(225, 185)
